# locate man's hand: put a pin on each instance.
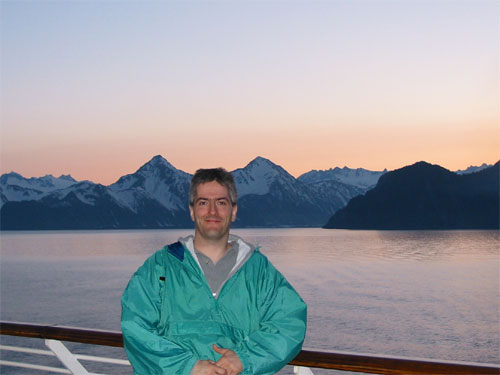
(204, 367)
(229, 360)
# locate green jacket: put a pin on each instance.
(170, 318)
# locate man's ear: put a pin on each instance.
(191, 212)
(235, 210)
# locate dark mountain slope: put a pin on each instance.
(425, 196)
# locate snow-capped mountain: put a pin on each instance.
(158, 180)
(153, 197)
(14, 187)
(259, 176)
(270, 196)
(45, 183)
(473, 169)
(88, 206)
(360, 178)
(83, 205)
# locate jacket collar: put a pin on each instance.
(245, 249)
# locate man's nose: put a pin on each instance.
(212, 208)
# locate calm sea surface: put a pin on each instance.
(430, 294)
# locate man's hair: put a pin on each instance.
(219, 175)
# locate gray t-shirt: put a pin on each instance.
(217, 273)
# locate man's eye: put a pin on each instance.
(202, 203)
(222, 203)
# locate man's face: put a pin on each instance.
(212, 211)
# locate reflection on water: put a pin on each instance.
(431, 294)
(381, 245)
(414, 245)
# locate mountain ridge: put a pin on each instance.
(156, 196)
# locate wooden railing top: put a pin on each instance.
(309, 358)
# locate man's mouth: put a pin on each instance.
(212, 220)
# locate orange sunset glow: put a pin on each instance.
(308, 85)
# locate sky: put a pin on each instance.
(95, 89)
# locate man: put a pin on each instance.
(211, 304)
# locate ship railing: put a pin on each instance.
(305, 360)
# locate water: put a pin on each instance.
(428, 294)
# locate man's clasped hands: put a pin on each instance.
(228, 364)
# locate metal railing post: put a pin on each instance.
(301, 370)
(66, 357)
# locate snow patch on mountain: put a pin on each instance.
(14, 187)
(361, 178)
(128, 198)
(86, 192)
(16, 193)
(333, 194)
(473, 169)
(46, 183)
